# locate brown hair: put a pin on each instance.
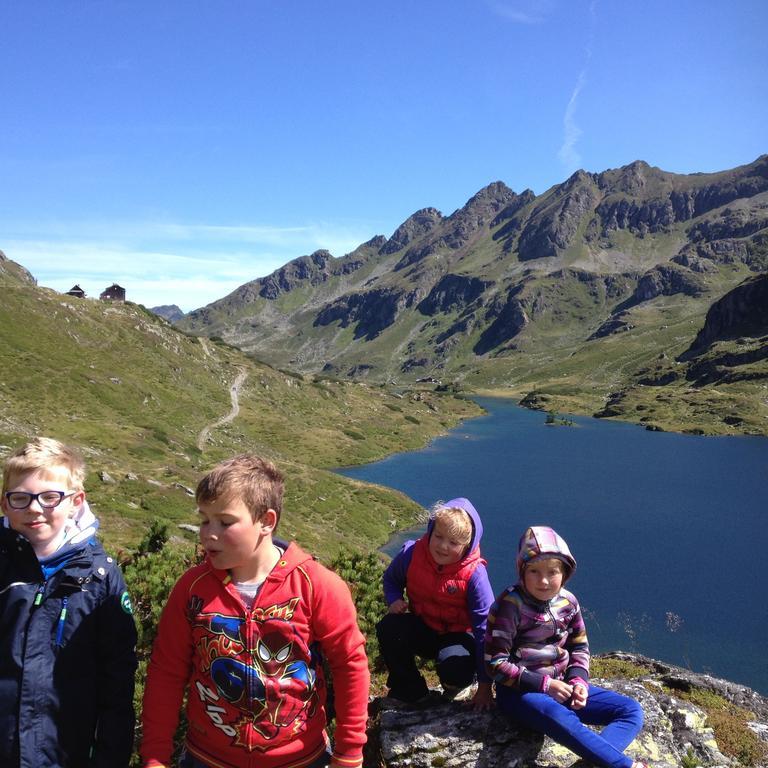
(547, 557)
(46, 455)
(456, 521)
(255, 481)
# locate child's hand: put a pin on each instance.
(483, 698)
(560, 691)
(399, 606)
(579, 696)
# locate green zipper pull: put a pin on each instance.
(39, 595)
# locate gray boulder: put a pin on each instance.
(676, 732)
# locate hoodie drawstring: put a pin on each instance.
(62, 613)
(62, 619)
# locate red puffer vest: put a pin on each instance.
(438, 593)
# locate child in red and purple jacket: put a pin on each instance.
(536, 651)
(444, 618)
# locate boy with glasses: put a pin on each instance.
(67, 643)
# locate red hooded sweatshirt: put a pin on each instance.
(256, 687)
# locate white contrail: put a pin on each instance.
(522, 11)
(568, 154)
(572, 133)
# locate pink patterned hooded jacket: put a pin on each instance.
(527, 640)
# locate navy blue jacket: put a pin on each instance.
(67, 658)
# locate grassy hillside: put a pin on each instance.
(634, 375)
(135, 394)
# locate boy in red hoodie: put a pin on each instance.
(245, 633)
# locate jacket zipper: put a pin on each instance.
(39, 595)
(62, 619)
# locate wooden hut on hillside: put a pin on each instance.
(113, 293)
(76, 291)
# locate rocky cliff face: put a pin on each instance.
(741, 312)
(553, 224)
(676, 732)
(452, 292)
(667, 280)
(645, 200)
(372, 311)
(419, 224)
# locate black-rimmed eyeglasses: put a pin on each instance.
(47, 499)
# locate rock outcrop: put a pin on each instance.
(313, 269)
(373, 311)
(415, 226)
(667, 280)
(508, 319)
(676, 731)
(15, 271)
(553, 224)
(741, 312)
(452, 292)
(618, 323)
(628, 204)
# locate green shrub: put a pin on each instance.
(150, 575)
(729, 723)
(363, 573)
(628, 670)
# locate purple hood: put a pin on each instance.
(467, 506)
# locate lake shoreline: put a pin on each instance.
(582, 405)
(648, 516)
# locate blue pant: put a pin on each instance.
(621, 716)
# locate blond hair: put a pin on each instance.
(455, 521)
(45, 455)
(253, 480)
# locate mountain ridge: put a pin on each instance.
(493, 295)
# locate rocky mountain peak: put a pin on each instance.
(415, 226)
(579, 178)
(496, 193)
(320, 258)
(170, 312)
(633, 178)
(479, 211)
(377, 241)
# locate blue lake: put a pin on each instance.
(669, 531)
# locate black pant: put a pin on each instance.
(403, 636)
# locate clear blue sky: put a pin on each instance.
(183, 148)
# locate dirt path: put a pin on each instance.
(204, 344)
(234, 392)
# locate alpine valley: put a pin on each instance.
(633, 293)
(153, 408)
